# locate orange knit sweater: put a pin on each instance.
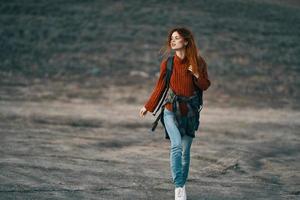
(181, 83)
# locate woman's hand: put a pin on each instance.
(191, 70)
(143, 111)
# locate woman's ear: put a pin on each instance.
(186, 43)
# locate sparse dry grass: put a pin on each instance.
(74, 74)
(251, 47)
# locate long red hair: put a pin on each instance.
(192, 52)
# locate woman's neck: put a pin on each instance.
(180, 53)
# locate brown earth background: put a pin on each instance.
(74, 74)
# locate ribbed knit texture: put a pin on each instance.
(181, 83)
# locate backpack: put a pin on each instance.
(196, 103)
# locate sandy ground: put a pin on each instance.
(82, 150)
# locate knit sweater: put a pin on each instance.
(181, 83)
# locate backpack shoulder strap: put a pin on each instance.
(167, 82)
(169, 70)
(167, 85)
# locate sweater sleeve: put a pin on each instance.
(158, 89)
(203, 81)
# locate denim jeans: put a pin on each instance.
(179, 150)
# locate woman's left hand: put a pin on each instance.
(191, 70)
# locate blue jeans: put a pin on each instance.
(180, 149)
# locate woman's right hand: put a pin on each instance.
(143, 111)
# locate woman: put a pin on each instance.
(189, 71)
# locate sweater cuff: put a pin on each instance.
(148, 108)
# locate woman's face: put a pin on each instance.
(177, 42)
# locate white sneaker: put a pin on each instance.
(179, 193)
(184, 193)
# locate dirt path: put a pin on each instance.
(78, 150)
